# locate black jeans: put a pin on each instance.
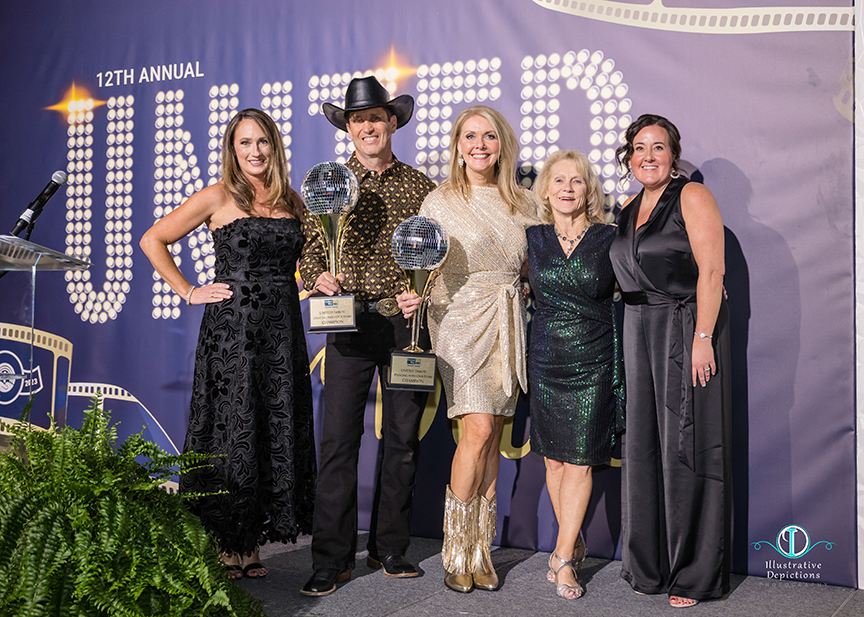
(349, 368)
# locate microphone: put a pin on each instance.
(35, 208)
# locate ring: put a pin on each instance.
(707, 369)
(315, 288)
(212, 295)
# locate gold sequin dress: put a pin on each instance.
(476, 313)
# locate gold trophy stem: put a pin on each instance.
(417, 317)
(332, 243)
(325, 240)
(340, 235)
(331, 231)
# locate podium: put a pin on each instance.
(20, 255)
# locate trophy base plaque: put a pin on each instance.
(411, 371)
(332, 314)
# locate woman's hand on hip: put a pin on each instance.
(214, 292)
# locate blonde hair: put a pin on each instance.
(594, 196)
(280, 197)
(505, 167)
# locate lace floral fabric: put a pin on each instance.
(252, 397)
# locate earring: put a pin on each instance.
(674, 174)
(461, 162)
(630, 177)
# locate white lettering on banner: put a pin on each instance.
(441, 86)
(276, 100)
(149, 74)
(178, 173)
(609, 106)
(177, 176)
(99, 306)
(441, 90)
(223, 105)
(120, 77)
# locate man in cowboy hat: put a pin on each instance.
(390, 192)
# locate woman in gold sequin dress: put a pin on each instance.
(477, 326)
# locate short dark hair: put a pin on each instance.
(625, 152)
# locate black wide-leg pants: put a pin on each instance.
(676, 520)
(349, 368)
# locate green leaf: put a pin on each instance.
(86, 530)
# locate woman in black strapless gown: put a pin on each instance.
(668, 259)
(252, 396)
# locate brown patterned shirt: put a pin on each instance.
(386, 200)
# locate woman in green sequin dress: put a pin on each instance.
(575, 368)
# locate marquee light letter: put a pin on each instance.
(99, 306)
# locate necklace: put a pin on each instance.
(572, 242)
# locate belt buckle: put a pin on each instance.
(388, 307)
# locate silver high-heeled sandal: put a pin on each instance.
(562, 589)
(579, 552)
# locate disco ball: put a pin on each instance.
(330, 188)
(419, 243)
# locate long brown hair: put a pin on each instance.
(505, 169)
(280, 197)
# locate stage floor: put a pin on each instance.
(524, 590)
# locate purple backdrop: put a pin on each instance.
(766, 125)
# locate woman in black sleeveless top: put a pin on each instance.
(668, 259)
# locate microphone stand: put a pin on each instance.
(29, 230)
(36, 214)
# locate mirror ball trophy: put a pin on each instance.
(419, 243)
(330, 191)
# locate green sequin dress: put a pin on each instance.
(575, 366)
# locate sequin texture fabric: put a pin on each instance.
(386, 199)
(575, 368)
(476, 313)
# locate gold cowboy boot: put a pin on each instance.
(482, 570)
(459, 517)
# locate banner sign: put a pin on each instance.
(131, 100)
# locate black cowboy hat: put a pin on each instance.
(366, 93)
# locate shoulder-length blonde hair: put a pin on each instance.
(280, 197)
(594, 197)
(505, 167)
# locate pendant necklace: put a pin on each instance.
(572, 242)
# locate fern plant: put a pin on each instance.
(86, 530)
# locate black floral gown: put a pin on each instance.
(252, 397)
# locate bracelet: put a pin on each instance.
(702, 335)
(189, 295)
